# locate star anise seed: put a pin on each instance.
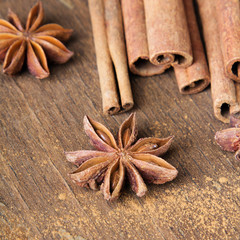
(34, 43)
(109, 165)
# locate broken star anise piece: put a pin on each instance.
(229, 139)
(34, 42)
(111, 162)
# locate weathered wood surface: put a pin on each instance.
(39, 119)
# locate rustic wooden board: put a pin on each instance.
(40, 119)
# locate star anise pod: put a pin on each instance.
(229, 139)
(34, 42)
(111, 162)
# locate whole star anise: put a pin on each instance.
(108, 166)
(34, 42)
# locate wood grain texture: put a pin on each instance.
(40, 119)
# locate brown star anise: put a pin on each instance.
(107, 166)
(37, 43)
(229, 139)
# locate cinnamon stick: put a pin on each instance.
(167, 33)
(194, 78)
(228, 16)
(235, 110)
(104, 63)
(136, 39)
(110, 50)
(222, 87)
(116, 43)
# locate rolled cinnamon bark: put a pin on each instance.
(136, 39)
(111, 55)
(222, 88)
(108, 87)
(116, 44)
(235, 110)
(237, 86)
(194, 78)
(228, 16)
(167, 33)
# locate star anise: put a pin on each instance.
(34, 42)
(109, 164)
(229, 139)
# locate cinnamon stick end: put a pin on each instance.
(195, 86)
(111, 110)
(232, 70)
(127, 106)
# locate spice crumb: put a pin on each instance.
(223, 180)
(62, 196)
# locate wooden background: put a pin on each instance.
(40, 119)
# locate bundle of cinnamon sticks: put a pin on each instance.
(221, 30)
(106, 18)
(161, 34)
(157, 37)
(150, 36)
